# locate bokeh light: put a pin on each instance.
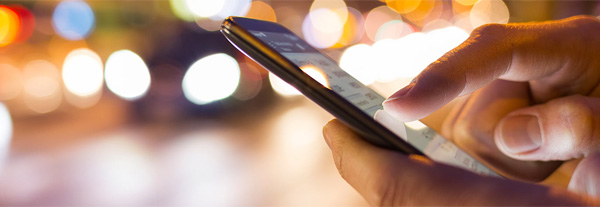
(205, 8)
(466, 2)
(489, 11)
(353, 30)
(386, 60)
(73, 19)
(413, 55)
(427, 9)
(6, 128)
(436, 24)
(180, 9)
(393, 30)
(127, 75)
(42, 86)
(444, 40)
(281, 87)
(250, 82)
(353, 61)
(82, 72)
(316, 74)
(233, 8)
(328, 16)
(11, 82)
(262, 11)
(27, 21)
(10, 25)
(463, 21)
(403, 6)
(211, 78)
(377, 17)
(405, 57)
(322, 38)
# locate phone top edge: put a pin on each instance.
(270, 59)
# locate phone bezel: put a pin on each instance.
(235, 30)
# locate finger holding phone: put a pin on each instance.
(531, 99)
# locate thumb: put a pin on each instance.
(586, 178)
(561, 129)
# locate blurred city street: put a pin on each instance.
(145, 103)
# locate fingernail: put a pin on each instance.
(399, 94)
(521, 134)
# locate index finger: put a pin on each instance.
(545, 51)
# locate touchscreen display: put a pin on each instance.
(330, 75)
(323, 70)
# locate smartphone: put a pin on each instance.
(320, 79)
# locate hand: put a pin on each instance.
(388, 178)
(529, 95)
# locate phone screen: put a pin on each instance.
(323, 70)
(327, 72)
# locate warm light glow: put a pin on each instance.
(393, 30)
(262, 11)
(42, 86)
(281, 87)
(403, 6)
(412, 56)
(180, 9)
(489, 11)
(353, 61)
(377, 17)
(444, 40)
(354, 29)
(322, 38)
(427, 9)
(205, 165)
(436, 24)
(6, 128)
(406, 57)
(385, 60)
(11, 82)
(211, 78)
(123, 173)
(328, 16)
(10, 25)
(73, 19)
(463, 21)
(466, 2)
(205, 8)
(127, 75)
(250, 82)
(316, 74)
(415, 125)
(233, 8)
(82, 72)
(27, 22)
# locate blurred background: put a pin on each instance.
(146, 103)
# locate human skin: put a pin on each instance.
(528, 99)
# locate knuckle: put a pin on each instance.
(573, 107)
(584, 20)
(577, 117)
